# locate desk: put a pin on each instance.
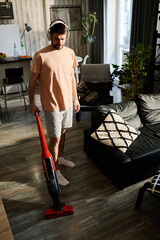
(14, 60)
(79, 59)
(11, 62)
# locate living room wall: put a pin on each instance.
(36, 13)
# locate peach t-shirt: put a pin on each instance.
(56, 74)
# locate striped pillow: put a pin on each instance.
(115, 132)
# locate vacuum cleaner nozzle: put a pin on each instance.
(51, 213)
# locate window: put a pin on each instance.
(117, 25)
(125, 22)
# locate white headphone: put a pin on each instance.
(52, 24)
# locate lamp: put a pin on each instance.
(23, 50)
(27, 28)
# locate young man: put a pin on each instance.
(53, 67)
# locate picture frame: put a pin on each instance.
(70, 14)
(6, 11)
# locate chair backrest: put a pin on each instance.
(95, 73)
(14, 72)
(85, 59)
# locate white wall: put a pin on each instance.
(36, 13)
(9, 35)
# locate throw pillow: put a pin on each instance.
(85, 93)
(116, 132)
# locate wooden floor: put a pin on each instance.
(101, 211)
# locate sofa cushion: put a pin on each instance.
(127, 110)
(116, 132)
(149, 105)
(85, 93)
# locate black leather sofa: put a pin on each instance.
(142, 158)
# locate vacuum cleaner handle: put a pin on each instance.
(45, 151)
(49, 168)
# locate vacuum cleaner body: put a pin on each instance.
(58, 209)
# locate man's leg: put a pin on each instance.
(56, 144)
(61, 143)
(54, 149)
(61, 159)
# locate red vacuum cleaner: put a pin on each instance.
(58, 209)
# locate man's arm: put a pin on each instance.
(74, 92)
(31, 92)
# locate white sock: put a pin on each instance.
(64, 162)
(61, 180)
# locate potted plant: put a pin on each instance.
(88, 28)
(132, 74)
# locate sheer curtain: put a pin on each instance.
(117, 24)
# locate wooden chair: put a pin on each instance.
(85, 59)
(14, 76)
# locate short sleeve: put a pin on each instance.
(75, 64)
(37, 63)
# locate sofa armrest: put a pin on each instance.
(116, 163)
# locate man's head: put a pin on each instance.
(58, 33)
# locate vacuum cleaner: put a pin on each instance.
(58, 208)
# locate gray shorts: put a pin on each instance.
(58, 120)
